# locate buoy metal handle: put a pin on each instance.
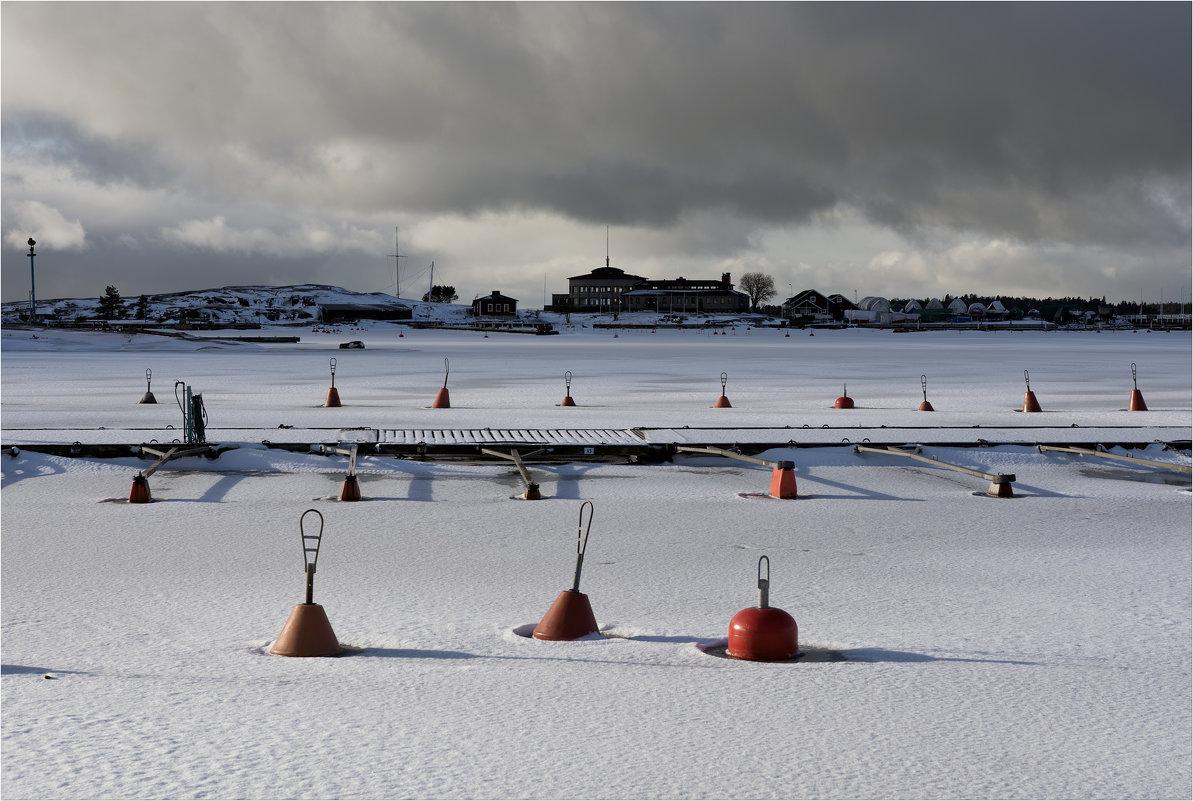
(763, 584)
(149, 377)
(333, 371)
(567, 381)
(1027, 380)
(581, 543)
(924, 385)
(724, 380)
(446, 370)
(1133, 381)
(310, 551)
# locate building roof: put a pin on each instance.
(608, 273)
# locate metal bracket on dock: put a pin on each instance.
(1000, 483)
(532, 489)
(351, 489)
(1104, 454)
(140, 491)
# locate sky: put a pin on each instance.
(900, 150)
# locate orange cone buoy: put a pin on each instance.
(782, 481)
(140, 491)
(567, 390)
(350, 491)
(723, 402)
(442, 398)
(925, 406)
(333, 395)
(570, 616)
(1030, 404)
(763, 633)
(1136, 403)
(844, 402)
(148, 396)
(307, 631)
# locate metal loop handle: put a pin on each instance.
(724, 380)
(308, 560)
(1133, 381)
(763, 583)
(149, 378)
(307, 550)
(567, 381)
(924, 385)
(446, 370)
(581, 542)
(1027, 380)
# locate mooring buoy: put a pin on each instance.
(763, 633)
(723, 402)
(148, 396)
(307, 631)
(567, 390)
(333, 395)
(442, 398)
(844, 402)
(1030, 404)
(925, 406)
(570, 616)
(1136, 403)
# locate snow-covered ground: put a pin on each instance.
(1036, 646)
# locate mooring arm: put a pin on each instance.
(1120, 457)
(993, 478)
(727, 454)
(516, 458)
(168, 455)
(349, 452)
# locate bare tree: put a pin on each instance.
(759, 286)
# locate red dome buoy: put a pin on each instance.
(442, 398)
(723, 402)
(333, 395)
(787, 335)
(925, 406)
(1030, 404)
(1136, 403)
(763, 633)
(307, 631)
(570, 616)
(567, 390)
(844, 402)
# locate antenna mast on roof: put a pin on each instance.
(397, 265)
(606, 246)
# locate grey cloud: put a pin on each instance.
(1047, 122)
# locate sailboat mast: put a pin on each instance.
(397, 256)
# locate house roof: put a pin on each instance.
(609, 273)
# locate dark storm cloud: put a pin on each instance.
(1064, 123)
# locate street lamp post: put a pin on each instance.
(32, 286)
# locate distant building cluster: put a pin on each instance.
(610, 290)
(811, 306)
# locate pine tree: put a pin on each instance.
(110, 305)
